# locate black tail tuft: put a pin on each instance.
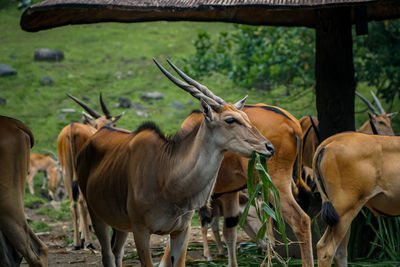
(304, 198)
(75, 190)
(205, 215)
(329, 214)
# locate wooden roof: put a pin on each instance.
(54, 13)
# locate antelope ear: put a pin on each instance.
(116, 118)
(207, 111)
(392, 115)
(370, 115)
(240, 104)
(87, 118)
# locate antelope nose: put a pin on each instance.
(270, 148)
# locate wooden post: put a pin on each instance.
(334, 70)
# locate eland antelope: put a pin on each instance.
(17, 240)
(70, 140)
(284, 132)
(378, 123)
(353, 170)
(40, 163)
(147, 183)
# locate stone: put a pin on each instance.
(141, 114)
(189, 102)
(152, 96)
(61, 117)
(124, 102)
(68, 110)
(138, 106)
(12, 56)
(6, 70)
(53, 205)
(3, 101)
(119, 75)
(177, 105)
(47, 54)
(46, 80)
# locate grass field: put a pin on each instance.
(116, 60)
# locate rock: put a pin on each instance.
(138, 106)
(129, 74)
(46, 80)
(12, 56)
(6, 70)
(68, 110)
(61, 117)
(141, 114)
(124, 102)
(46, 54)
(53, 205)
(3, 101)
(119, 75)
(177, 105)
(189, 102)
(152, 96)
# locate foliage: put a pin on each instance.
(377, 58)
(54, 214)
(375, 237)
(262, 186)
(39, 227)
(258, 57)
(32, 201)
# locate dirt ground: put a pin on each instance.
(62, 254)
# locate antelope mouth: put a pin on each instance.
(266, 155)
(268, 152)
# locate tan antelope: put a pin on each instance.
(353, 170)
(378, 123)
(284, 132)
(147, 183)
(17, 240)
(55, 183)
(70, 140)
(40, 163)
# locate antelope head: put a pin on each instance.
(94, 118)
(230, 127)
(380, 121)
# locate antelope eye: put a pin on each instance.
(232, 120)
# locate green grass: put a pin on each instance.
(93, 55)
(32, 201)
(39, 227)
(56, 215)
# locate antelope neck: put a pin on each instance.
(194, 168)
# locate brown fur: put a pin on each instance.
(284, 132)
(354, 170)
(70, 140)
(15, 142)
(39, 163)
(151, 184)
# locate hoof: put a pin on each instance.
(91, 246)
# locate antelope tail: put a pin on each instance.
(328, 213)
(305, 195)
(72, 166)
